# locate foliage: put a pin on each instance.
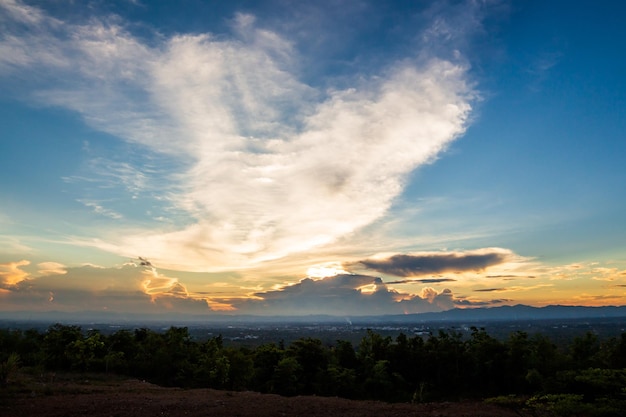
(8, 368)
(523, 371)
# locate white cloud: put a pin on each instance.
(21, 12)
(51, 268)
(273, 166)
(101, 210)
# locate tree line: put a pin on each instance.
(443, 366)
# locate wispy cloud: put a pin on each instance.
(101, 210)
(265, 165)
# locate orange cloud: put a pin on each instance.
(156, 284)
(11, 274)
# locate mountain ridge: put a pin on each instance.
(500, 313)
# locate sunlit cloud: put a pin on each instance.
(597, 299)
(343, 294)
(122, 289)
(51, 268)
(328, 269)
(156, 284)
(11, 273)
(262, 164)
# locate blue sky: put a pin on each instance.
(346, 157)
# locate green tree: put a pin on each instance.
(488, 359)
(213, 365)
(241, 369)
(584, 349)
(265, 359)
(55, 345)
(312, 359)
(87, 353)
(285, 377)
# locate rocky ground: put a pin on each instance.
(114, 397)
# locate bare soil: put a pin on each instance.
(115, 397)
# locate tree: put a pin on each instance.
(584, 349)
(265, 359)
(312, 360)
(87, 354)
(55, 345)
(8, 368)
(285, 378)
(488, 363)
(213, 366)
(241, 368)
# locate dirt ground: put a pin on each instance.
(122, 398)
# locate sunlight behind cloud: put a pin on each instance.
(326, 270)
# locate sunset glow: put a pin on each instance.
(311, 157)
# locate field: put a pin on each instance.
(71, 395)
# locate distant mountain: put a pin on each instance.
(514, 313)
(502, 313)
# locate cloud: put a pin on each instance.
(99, 209)
(132, 288)
(510, 277)
(21, 12)
(491, 290)
(127, 289)
(156, 284)
(422, 281)
(427, 263)
(51, 268)
(11, 273)
(261, 164)
(343, 295)
(480, 303)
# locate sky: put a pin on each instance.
(335, 157)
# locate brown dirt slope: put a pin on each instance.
(122, 398)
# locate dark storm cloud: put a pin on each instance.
(485, 303)
(510, 276)
(435, 263)
(422, 281)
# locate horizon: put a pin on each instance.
(520, 313)
(340, 158)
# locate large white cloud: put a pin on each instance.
(268, 166)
